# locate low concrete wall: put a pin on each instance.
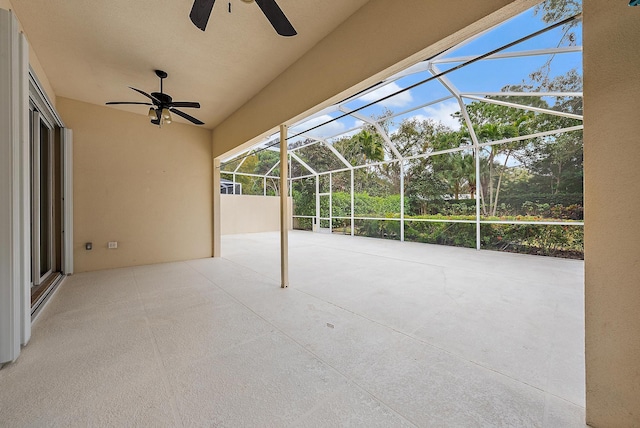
(250, 214)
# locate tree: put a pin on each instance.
(460, 174)
(371, 146)
(363, 148)
(424, 187)
(494, 122)
(557, 160)
(552, 11)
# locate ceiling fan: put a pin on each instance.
(162, 105)
(201, 11)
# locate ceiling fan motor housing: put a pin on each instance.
(161, 104)
(162, 97)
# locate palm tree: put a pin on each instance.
(370, 146)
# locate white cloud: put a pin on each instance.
(442, 113)
(329, 129)
(419, 117)
(399, 100)
(347, 134)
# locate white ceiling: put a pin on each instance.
(93, 51)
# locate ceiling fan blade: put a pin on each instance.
(276, 17)
(200, 13)
(186, 116)
(151, 97)
(189, 104)
(127, 102)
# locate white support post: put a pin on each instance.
(264, 186)
(402, 200)
(317, 220)
(290, 187)
(284, 209)
(216, 244)
(352, 205)
(478, 192)
(330, 203)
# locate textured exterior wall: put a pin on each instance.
(145, 187)
(612, 241)
(250, 214)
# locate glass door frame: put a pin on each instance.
(38, 273)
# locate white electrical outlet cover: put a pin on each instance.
(113, 244)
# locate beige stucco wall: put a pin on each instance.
(150, 189)
(382, 37)
(34, 62)
(145, 187)
(250, 214)
(612, 240)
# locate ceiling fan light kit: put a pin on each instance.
(166, 116)
(162, 105)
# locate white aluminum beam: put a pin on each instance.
(517, 54)
(242, 161)
(272, 168)
(343, 133)
(309, 144)
(338, 155)
(525, 107)
(474, 138)
(302, 177)
(530, 136)
(421, 106)
(301, 162)
(248, 174)
(331, 148)
(380, 130)
(522, 94)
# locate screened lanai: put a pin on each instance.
(479, 146)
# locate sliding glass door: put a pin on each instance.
(43, 237)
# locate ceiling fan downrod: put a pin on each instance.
(162, 75)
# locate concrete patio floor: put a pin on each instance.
(370, 333)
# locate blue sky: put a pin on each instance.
(482, 76)
(486, 75)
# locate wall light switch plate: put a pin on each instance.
(113, 244)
